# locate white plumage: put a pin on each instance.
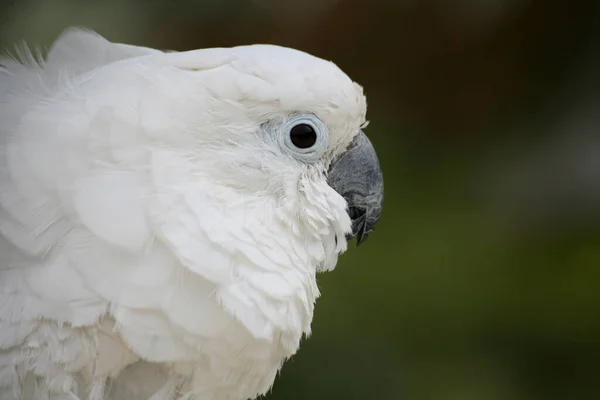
(158, 238)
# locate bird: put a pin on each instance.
(164, 214)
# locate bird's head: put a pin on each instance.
(288, 126)
(265, 127)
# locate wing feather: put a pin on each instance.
(61, 189)
(75, 236)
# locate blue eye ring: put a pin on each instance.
(302, 129)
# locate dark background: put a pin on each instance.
(481, 281)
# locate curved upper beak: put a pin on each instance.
(356, 175)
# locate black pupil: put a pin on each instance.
(303, 136)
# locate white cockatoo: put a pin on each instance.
(163, 215)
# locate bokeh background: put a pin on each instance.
(482, 280)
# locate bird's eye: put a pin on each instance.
(303, 136)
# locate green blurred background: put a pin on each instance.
(481, 281)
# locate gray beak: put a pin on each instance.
(356, 175)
